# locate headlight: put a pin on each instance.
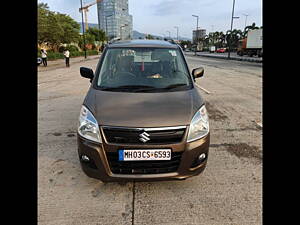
(199, 126)
(88, 126)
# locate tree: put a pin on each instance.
(222, 39)
(55, 28)
(89, 38)
(206, 41)
(43, 6)
(247, 28)
(49, 30)
(187, 43)
(149, 36)
(70, 28)
(211, 38)
(89, 41)
(233, 37)
(99, 35)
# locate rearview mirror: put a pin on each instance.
(198, 72)
(87, 73)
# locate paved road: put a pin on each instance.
(228, 192)
(233, 56)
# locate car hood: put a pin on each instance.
(143, 109)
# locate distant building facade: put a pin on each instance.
(114, 18)
(200, 33)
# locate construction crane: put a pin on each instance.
(85, 9)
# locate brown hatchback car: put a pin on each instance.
(143, 118)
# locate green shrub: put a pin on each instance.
(72, 48)
(94, 47)
(39, 52)
(59, 55)
(92, 52)
(206, 49)
(61, 49)
(89, 52)
(55, 55)
(75, 54)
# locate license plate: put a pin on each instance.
(144, 154)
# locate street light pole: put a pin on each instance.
(83, 31)
(169, 34)
(177, 32)
(196, 31)
(246, 15)
(232, 17)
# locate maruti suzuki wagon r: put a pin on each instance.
(143, 118)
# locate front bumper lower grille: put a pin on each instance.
(143, 167)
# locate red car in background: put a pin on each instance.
(221, 50)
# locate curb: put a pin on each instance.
(234, 58)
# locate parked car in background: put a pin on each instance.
(212, 49)
(221, 50)
(39, 61)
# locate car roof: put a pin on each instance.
(142, 44)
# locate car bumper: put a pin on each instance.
(98, 167)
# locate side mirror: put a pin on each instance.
(87, 73)
(198, 72)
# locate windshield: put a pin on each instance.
(143, 70)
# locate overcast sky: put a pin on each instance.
(159, 16)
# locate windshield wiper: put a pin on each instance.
(141, 88)
(174, 86)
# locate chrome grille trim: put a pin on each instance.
(146, 128)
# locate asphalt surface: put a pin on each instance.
(233, 56)
(229, 191)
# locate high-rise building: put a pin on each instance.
(114, 18)
(200, 33)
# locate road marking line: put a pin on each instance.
(206, 91)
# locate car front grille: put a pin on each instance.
(120, 135)
(143, 167)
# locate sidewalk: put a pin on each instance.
(233, 56)
(60, 63)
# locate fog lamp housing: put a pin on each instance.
(85, 158)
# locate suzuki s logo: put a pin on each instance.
(144, 137)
